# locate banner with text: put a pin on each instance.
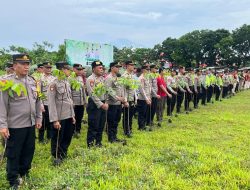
(85, 53)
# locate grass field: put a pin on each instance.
(207, 149)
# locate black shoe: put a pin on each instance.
(118, 140)
(187, 112)
(98, 145)
(170, 120)
(159, 124)
(90, 145)
(57, 162)
(129, 135)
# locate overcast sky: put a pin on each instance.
(23, 22)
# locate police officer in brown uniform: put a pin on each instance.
(130, 97)
(79, 99)
(115, 101)
(61, 113)
(19, 115)
(97, 106)
(46, 79)
(154, 95)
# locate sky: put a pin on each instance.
(143, 22)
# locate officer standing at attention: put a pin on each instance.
(154, 95)
(19, 115)
(130, 97)
(205, 83)
(144, 98)
(61, 113)
(181, 88)
(115, 101)
(46, 79)
(172, 88)
(79, 99)
(197, 88)
(97, 106)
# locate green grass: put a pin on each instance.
(207, 149)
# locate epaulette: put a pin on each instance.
(32, 78)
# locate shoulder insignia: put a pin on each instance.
(52, 87)
(91, 82)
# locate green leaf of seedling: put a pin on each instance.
(10, 92)
(17, 89)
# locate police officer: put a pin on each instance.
(40, 68)
(190, 82)
(115, 101)
(204, 85)
(79, 99)
(9, 70)
(19, 115)
(218, 86)
(97, 107)
(197, 88)
(154, 95)
(46, 79)
(226, 81)
(61, 113)
(181, 93)
(172, 88)
(130, 97)
(144, 98)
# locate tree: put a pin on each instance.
(241, 44)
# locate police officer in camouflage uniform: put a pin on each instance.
(61, 113)
(19, 115)
(46, 79)
(97, 107)
(79, 99)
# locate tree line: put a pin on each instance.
(211, 47)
